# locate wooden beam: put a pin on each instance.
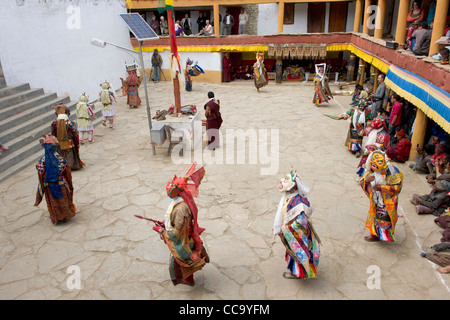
(153, 4)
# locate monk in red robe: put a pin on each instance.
(213, 121)
(399, 152)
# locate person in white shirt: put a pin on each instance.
(207, 30)
(243, 18)
(228, 23)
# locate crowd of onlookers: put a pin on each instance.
(420, 29)
(205, 25)
(432, 160)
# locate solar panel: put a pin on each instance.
(138, 26)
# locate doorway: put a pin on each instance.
(316, 17)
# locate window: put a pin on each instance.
(288, 13)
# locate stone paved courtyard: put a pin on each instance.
(121, 257)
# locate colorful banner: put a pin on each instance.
(300, 53)
(315, 51)
(323, 51)
(432, 100)
(271, 51)
(279, 51)
(307, 51)
(293, 51)
(286, 51)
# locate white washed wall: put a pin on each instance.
(41, 44)
(267, 19)
(300, 24)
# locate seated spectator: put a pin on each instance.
(399, 152)
(442, 55)
(439, 153)
(423, 47)
(442, 171)
(418, 34)
(154, 24)
(424, 156)
(164, 26)
(207, 30)
(355, 96)
(433, 203)
(179, 31)
(437, 256)
(240, 72)
(416, 13)
(248, 72)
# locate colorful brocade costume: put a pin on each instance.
(67, 134)
(295, 230)
(382, 216)
(359, 117)
(260, 72)
(322, 91)
(130, 87)
(180, 231)
(377, 139)
(179, 240)
(55, 183)
(192, 70)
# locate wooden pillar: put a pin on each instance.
(374, 72)
(362, 72)
(379, 21)
(280, 16)
(400, 33)
(418, 136)
(439, 25)
(216, 18)
(278, 70)
(367, 4)
(358, 10)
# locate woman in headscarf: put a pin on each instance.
(382, 183)
(68, 139)
(55, 182)
(295, 230)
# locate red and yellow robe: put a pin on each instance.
(178, 238)
(381, 221)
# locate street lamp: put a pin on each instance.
(102, 44)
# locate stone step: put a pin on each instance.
(34, 112)
(19, 97)
(16, 109)
(9, 90)
(25, 127)
(13, 160)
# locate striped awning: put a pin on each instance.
(432, 100)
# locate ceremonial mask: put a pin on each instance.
(287, 183)
(172, 189)
(376, 123)
(378, 162)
